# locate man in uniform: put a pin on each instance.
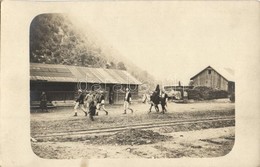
(127, 101)
(80, 103)
(101, 103)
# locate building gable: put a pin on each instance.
(226, 73)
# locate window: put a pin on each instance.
(209, 71)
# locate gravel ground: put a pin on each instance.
(62, 120)
(193, 140)
(205, 143)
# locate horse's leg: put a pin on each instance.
(156, 108)
(150, 109)
(163, 108)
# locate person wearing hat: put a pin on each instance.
(101, 103)
(127, 101)
(80, 103)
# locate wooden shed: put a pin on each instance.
(219, 78)
(61, 82)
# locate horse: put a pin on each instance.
(154, 101)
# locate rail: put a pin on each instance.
(136, 126)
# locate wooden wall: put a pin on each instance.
(211, 79)
(58, 91)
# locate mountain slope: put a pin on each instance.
(55, 40)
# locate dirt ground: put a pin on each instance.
(195, 140)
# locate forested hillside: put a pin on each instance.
(55, 40)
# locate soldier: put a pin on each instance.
(80, 103)
(127, 101)
(101, 103)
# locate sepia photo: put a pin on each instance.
(120, 81)
(87, 100)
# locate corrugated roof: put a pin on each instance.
(227, 73)
(65, 73)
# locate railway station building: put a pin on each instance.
(61, 82)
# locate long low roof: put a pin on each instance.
(66, 73)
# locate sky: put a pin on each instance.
(169, 39)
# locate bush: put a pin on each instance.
(194, 94)
(206, 93)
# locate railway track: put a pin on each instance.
(147, 125)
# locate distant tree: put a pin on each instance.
(107, 66)
(121, 66)
(55, 40)
(83, 59)
(112, 65)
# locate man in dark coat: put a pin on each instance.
(92, 110)
(101, 103)
(80, 103)
(157, 97)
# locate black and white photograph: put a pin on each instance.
(94, 98)
(133, 80)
